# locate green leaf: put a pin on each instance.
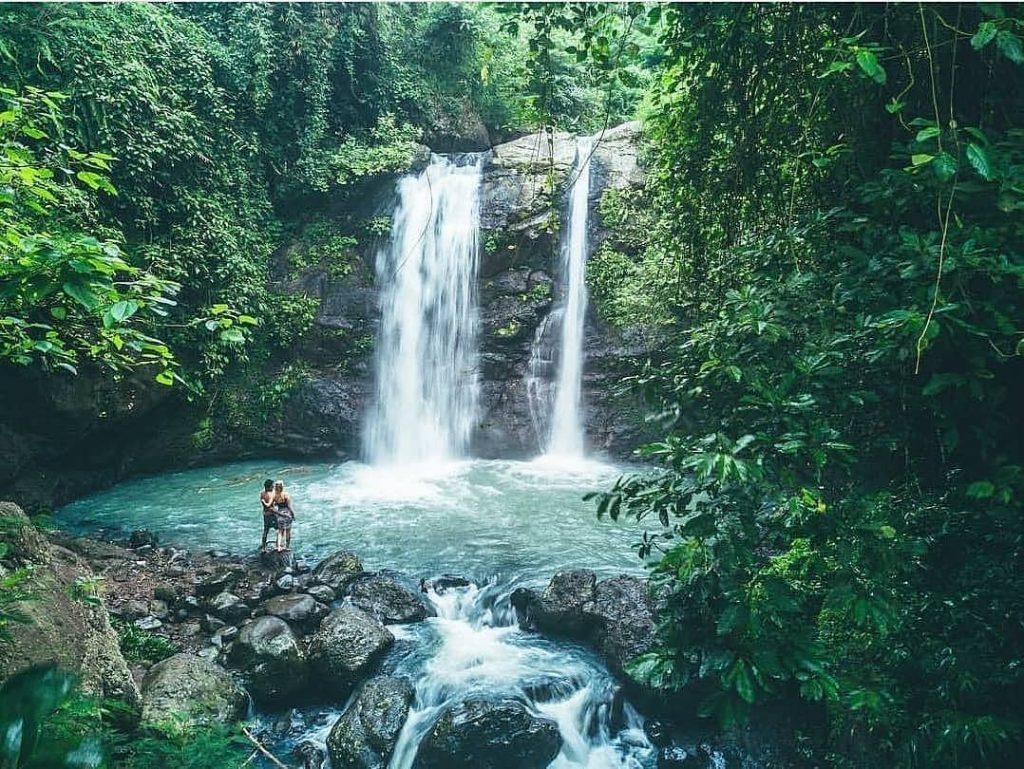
(165, 378)
(921, 159)
(1010, 46)
(927, 133)
(944, 166)
(978, 158)
(82, 294)
(123, 310)
(868, 62)
(981, 490)
(232, 336)
(985, 34)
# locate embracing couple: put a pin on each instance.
(277, 514)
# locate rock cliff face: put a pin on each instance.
(522, 199)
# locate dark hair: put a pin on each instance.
(268, 485)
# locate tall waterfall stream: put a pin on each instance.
(420, 506)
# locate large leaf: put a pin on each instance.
(1010, 46)
(81, 293)
(986, 34)
(978, 158)
(868, 62)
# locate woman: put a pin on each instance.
(284, 515)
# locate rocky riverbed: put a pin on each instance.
(295, 637)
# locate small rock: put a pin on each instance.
(675, 757)
(181, 615)
(209, 653)
(321, 593)
(134, 610)
(224, 636)
(214, 584)
(191, 629)
(310, 755)
(159, 609)
(219, 553)
(285, 583)
(148, 623)
(212, 624)
(488, 734)
(229, 607)
(142, 538)
(169, 594)
(175, 571)
(365, 735)
(271, 559)
(443, 583)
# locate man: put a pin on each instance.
(269, 512)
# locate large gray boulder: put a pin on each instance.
(388, 600)
(488, 734)
(347, 644)
(272, 660)
(615, 616)
(365, 735)
(338, 570)
(187, 686)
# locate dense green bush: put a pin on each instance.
(838, 513)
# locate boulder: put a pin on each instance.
(489, 734)
(142, 538)
(213, 584)
(310, 755)
(388, 600)
(365, 735)
(347, 644)
(187, 686)
(338, 570)
(229, 607)
(322, 593)
(444, 583)
(615, 616)
(60, 630)
(272, 660)
(626, 611)
(297, 609)
(272, 559)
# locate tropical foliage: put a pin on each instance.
(837, 198)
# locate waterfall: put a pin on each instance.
(566, 437)
(427, 377)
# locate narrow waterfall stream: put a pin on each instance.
(427, 388)
(561, 396)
